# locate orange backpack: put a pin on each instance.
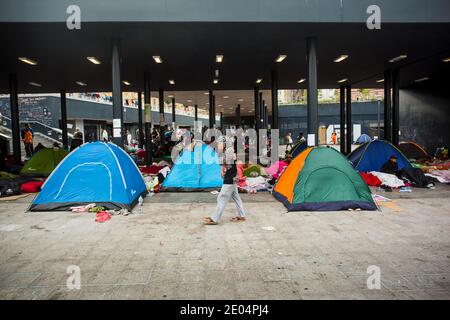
(28, 137)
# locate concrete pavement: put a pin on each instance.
(166, 253)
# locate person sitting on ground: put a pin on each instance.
(390, 166)
(39, 146)
(228, 191)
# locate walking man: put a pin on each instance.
(27, 136)
(228, 191)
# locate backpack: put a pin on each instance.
(28, 137)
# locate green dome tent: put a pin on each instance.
(322, 179)
(43, 162)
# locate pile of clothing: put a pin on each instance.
(155, 174)
(252, 179)
(437, 169)
(101, 213)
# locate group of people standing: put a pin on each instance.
(290, 142)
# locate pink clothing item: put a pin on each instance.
(277, 168)
(241, 177)
(82, 208)
(102, 216)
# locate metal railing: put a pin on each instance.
(39, 128)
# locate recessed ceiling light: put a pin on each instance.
(220, 105)
(170, 96)
(341, 58)
(422, 79)
(35, 84)
(301, 80)
(241, 100)
(81, 83)
(446, 59)
(216, 81)
(28, 61)
(189, 100)
(400, 57)
(259, 80)
(172, 81)
(206, 93)
(379, 81)
(126, 83)
(225, 97)
(280, 58)
(94, 60)
(219, 58)
(342, 80)
(157, 59)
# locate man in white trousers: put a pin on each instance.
(228, 191)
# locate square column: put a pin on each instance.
(274, 124)
(313, 103)
(148, 121)
(173, 113)
(342, 119)
(210, 113)
(140, 136)
(387, 106)
(161, 116)
(65, 140)
(395, 107)
(349, 125)
(118, 128)
(15, 126)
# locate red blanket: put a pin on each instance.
(31, 186)
(150, 170)
(370, 179)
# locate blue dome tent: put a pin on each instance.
(372, 155)
(96, 172)
(363, 139)
(298, 148)
(196, 169)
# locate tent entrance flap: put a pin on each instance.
(326, 185)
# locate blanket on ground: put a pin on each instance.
(388, 180)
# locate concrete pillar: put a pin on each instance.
(148, 121)
(211, 109)
(15, 126)
(395, 107)
(238, 116)
(214, 110)
(342, 119)
(118, 128)
(261, 105)
(140, 136)
(349, 123)
(65, 140)
(257, 117)
(161, 116)
(387, 106)
(274, 124)
(313, 104)
(173, 113)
